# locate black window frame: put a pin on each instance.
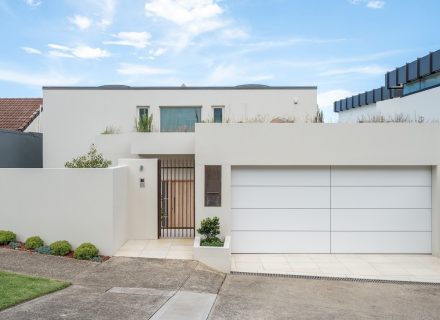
(213, 113)
(213, 186)
(139, 108)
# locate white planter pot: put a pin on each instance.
(218, 258)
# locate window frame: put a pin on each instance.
(222, 108)
(195, 107)
(219, 186)
(138, 111)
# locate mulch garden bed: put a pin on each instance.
(68, 256)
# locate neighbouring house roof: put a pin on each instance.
(18, 113)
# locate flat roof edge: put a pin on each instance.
(180, 88)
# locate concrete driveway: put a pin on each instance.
(257, 297)
(138, 288)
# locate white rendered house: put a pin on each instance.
(277, 187)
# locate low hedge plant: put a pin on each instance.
(60, 248)
(6, 237)
(43, 250)
(33, 243)
(86, 251)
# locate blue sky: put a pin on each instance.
(342, 46)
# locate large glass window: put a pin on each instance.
(179, 119)
(425, 83)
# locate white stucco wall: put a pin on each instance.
(369, 144)
(77, 205)
(422, 104)
(142, 202)
(74, 117)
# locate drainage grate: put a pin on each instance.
(297, 276)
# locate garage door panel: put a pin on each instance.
(280, 197)
(369, 210)
(381, 197)
(280, 242)
(281, 176)
(381, 242)
(381, 176)
(381, 220)
(281, 219)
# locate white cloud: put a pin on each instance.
(58, 47)
(85, 52)
(193, 17)
(31, 50)
(107, 8)
(37, 80)
(155, 53)
(82, 52)
(81, 22)
(375, 4)
(133, 39)
(183, 12)
(138, 69)
(102, 11)
(372, 4)
(368, 70)
(60, 54)
(33, 3)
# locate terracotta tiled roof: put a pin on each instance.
(18, 113)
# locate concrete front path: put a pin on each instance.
(419, 268)
(161, 248)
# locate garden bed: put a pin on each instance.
(218, 258)
(22, 247)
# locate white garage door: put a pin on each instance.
(338, 210)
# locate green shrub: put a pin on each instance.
(6, 237)
(14, 245)
(210, 229)
(86, 251)
(33, 243)
(144, 124)
(92, 159)
(60, 248)
(43, 250)
(213, 242)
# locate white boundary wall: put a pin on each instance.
(77, 205)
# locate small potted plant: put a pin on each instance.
(209, 248)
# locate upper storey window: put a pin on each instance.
(179, 119)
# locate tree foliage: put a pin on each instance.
(92, 159)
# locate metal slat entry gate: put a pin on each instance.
(176, 198)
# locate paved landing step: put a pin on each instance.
(186, 305)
